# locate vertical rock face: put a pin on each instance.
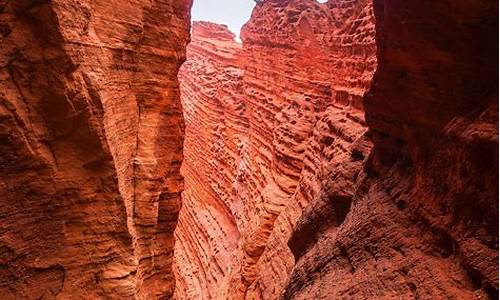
(265, 124)
(423, 218)
(291, 195)
(214, 111)
(307, 67)
(344, 150)
(91, 145)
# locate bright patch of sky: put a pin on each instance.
(233, 13)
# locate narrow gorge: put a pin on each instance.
(341, 150)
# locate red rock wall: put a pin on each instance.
(323, 67)
(215, 130)
(91, 146)
(423, 218)
(264, 125)
(289, 194)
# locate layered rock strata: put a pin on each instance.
(265, 123)
(303, 126)
(91, 146)
(214, 111)
(290, 193)
(293, 198)
(423, 217)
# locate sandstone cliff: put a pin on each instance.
(290, 195)
(423, 218)
(91, 145)
(345, 150)
(266, 122)
(214, 111)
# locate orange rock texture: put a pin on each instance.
(423, 218)
(266, 122)
(343, 150)
(214, 111)
(91, 146)
(291, 194)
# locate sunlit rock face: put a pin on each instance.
(214, 110)
(91, 146)
(266, 122)
(307, 68)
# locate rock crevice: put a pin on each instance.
(272, 120)
(323, 204)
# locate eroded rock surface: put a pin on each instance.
(293, 196)
(91, 146)
(423, 218)
(214, 110)
(290, 193)
(266, 122)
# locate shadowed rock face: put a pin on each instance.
(91, 145)
(423, 219)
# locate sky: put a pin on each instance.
(233, 13)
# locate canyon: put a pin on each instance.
(342, 150)
(266, 122)
(291, 193)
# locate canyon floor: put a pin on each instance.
(341, 150)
